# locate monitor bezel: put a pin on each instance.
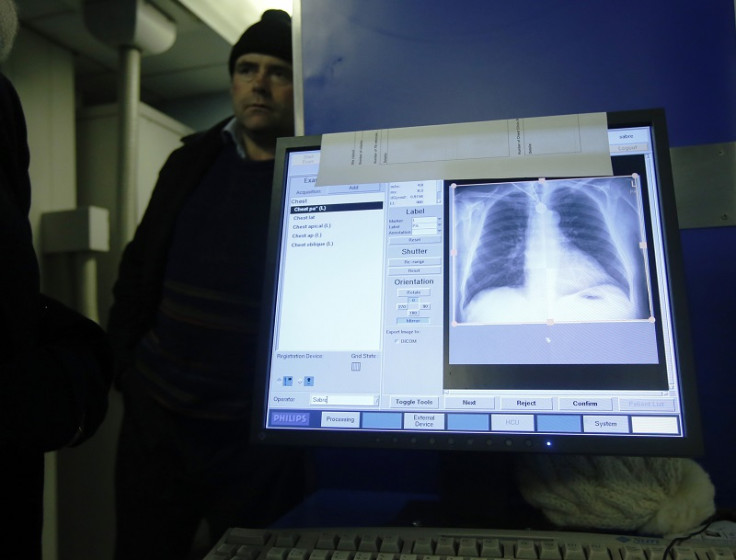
(690, 444)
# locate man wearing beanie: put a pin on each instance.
(184, 323)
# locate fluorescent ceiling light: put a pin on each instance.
(229, 18)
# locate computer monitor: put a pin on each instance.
(540, 314)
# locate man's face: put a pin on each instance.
(262, 93)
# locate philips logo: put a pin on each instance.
(289, 418)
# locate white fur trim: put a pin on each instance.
(649, 495)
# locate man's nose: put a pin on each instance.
(260, 78)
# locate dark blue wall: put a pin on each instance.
(391, 63)
(710, 270)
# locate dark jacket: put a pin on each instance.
(55, 365)
(138, 288)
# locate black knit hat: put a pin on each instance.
(271, 35)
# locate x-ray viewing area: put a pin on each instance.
(499, 227)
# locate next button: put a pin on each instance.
(482, 403)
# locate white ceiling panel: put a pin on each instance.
(195, 65)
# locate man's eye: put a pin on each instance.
(281, 75)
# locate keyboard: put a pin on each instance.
(421, 543)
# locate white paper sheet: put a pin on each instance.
(560, 146)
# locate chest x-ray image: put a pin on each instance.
(549, 251)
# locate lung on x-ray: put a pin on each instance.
(549, 251)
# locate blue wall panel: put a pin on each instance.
(391, 63)
(710, 270)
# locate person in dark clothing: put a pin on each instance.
(184, 323)
(55, 365)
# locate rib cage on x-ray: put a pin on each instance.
(583, 224)
(596, 218)
(498, 256)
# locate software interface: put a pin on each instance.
(533, 305)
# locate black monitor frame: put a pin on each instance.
(689, 444)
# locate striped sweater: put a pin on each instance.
(199, 356)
